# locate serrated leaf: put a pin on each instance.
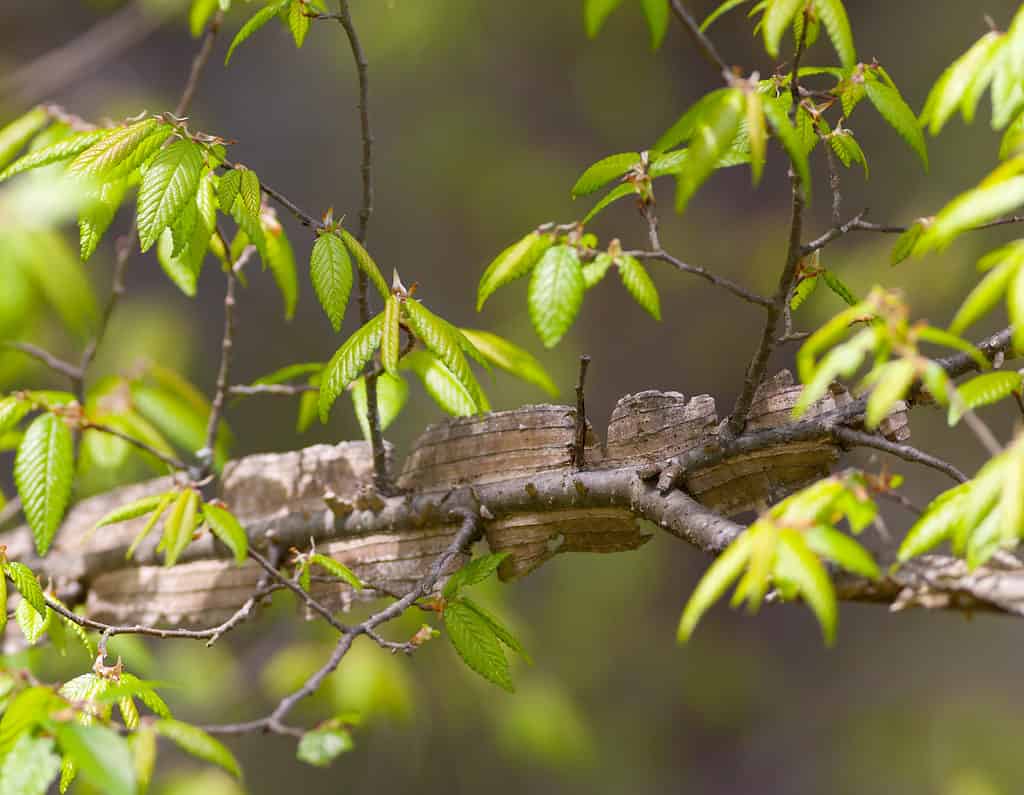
(298, 22)
(254, 23)
(249, 190)
(227, 528)
(477, 644)
(178, 271)
(984, 390)
(985, 295)
(440, 383)
(228, 186)
(28, 585)
(777, 18)
(32, 625)
(833, 15)
(827, 542)
(198, 743)
(848, 150)
(331, 272)
(891, 107)
(616, 193)
(604, 171)
(555, 293)
(803, 290)
(16, 134)
(392, 394)
(906, 243)
(96, 217)
(365, 263)
(30, 767)
(836, 285)
(499, 629)
(891, 387)
(639, 284)
(798, 564)
(347, 363)
(390, 335)
(685, 127)
(43, 470)
(952, 86)
(281, 261)
(473, 573)
(110, 151)
(131, 686)
(12, 410)
(101, 756)
(320, 747)
(937, 336)
(713, 134)
(595, 270)
(936, 524)
(512, 263)
(712, 586)
(445, 342)
(337, 569)
(513, 359)
(595, 12)
(970, 209)
(179, 526)
(54, 153)
(169, 184)
(656, 12)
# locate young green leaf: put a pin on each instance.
(3, 609)
(499, 629)
(970, 209)
(298, 22)
(984, 390)
(595, 270)
(64, 149)
(891, 107)
(756, 134)
(331, 271)
(713, 585)
(440, 383)
(833, 15)
(198, 15)
(16, 134)
(281, 261)
(724, 8)
(249, 190)
(392, 394)
(512, 263)
(656, 12)
(777, 18)
(512, 359)
(616, 193)
(803, 290)
(894, 380)
(798, 564)
(30, 767)
(1015, 307)
(477, 644)
(254, 23)
(96, 217)
(32, 625)
(638, 282)
(227, 528)
(12, 410)
(595, 12)
(179, 526)
(713, 134)
(365, 263)
(390, 335)
(827, 542)
(985, 295)
(195, 741)
(28, 585)
(906, 243)
(43, 470)
(604, 171)
(777, 115)
(836, 285)
(170, 183)
(556, 293)
(446, 342)
(347, 363)
(964, 79)
(101, 755)
(473, 573)
(228, 186)
(336, 568)
(115, 148)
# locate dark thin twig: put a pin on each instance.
(704, 44)
(697, 270)
(907, 452)
(579, 443)
(171, 461)
(55, 363)
(858, 224)
(206, 455)
(296, 589)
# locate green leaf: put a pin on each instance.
(970, 209)
(179, 526)
(54, 153)
(796, 563)
(595, 12)
(96, 217)
(595, 270)
(640, 285)
(477, 644)
(503, 633)
(254, 23)
(347, 363)
(29, 707)
(101, 755)
(950, 89)
(195, 741)
(169, 184)
(724, 8)
(891, 387)
(713, 135)
(390, 335)
(604, 171)
(281, 261)
(1015, 307)
(32, 625)
(365, 263)
(848, 150)
(143, 747)
(803, 290)
(43, 470)
(685, 127)
(331, 271)
(656, 12)
(936, 524)
(473, 573)
(298, 22)
(446, 342)
(228, 186)
(900, 117)
(833, 15)
(12, 410)
(985, 295)
(290, 372)
(984, 390)
(392, 394)
(3, 617)
(556, 293)
(937, 336)
(131, 686)
(336, 568)
(440, 383)
(30, 767)
(836, 285)
(616, 193)
(512, 263)
(756, 133)
(906, 243)
(320, 747)
(716, 580)
(775, 112)
(227, 528)
(198, 15)
(28, 585)
(249, 190)
(512, 359)
(119, 147)
(184, 277)
(827, 542)
(16, 134)
(777, 18)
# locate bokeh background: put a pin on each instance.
(484, 114)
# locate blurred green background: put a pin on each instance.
(484, 114)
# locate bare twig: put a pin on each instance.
(697, 270)
(907, 452)
(858, 224)
(55, 363)
(171, 461)
(704, 44)
(206, 455)
(579, 444)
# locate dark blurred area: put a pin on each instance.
(484, 114)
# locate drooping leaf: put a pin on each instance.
(970, 209)
(984, 390)
(16, 134)
(985, 295)
(198, 743)
(906, 243)
(298, 22)
(100, 755)
(775, 112)
(512, 263)
(889, 388)
(499, 629)
(477, 644)
(12, 410)
(337, 569)
(281, 261)
(799, 565)
(446, 342)
(392, 394)
(656, 13)
(179, 526)
(117, 148)
(756, 133)
(556, 293)
(950, 89)
(54, 153)
(713, 585)
(440, 383)
(595, 12)
(228, 186)
(512, 359)
(320, 747)
(891, 106)
(638, 282)
(30, 767)
(169, 184)
(842, 550)
(28, 585)
(249, 191)
(616, 193)
(836, 285)
(32, 625)
(43, 470)
(595, 270)
(713, 135)
(198, 15)
(803, 290)
(604, 171)
(365, 263)
(96, 217)
(228, 529)
(833, 15)
(777, 18)
(254, 23)
(330, 269)
(347, 363)
(390, 335)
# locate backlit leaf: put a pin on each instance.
(43, 471)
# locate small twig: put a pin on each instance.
(833, 183)
(704, 44)
(199, 63)
(296, 589)
(579, 444)
(697, 270)
(907, 452)
(55, 363)
(206, 455)
(171, 461)
(271, 389)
